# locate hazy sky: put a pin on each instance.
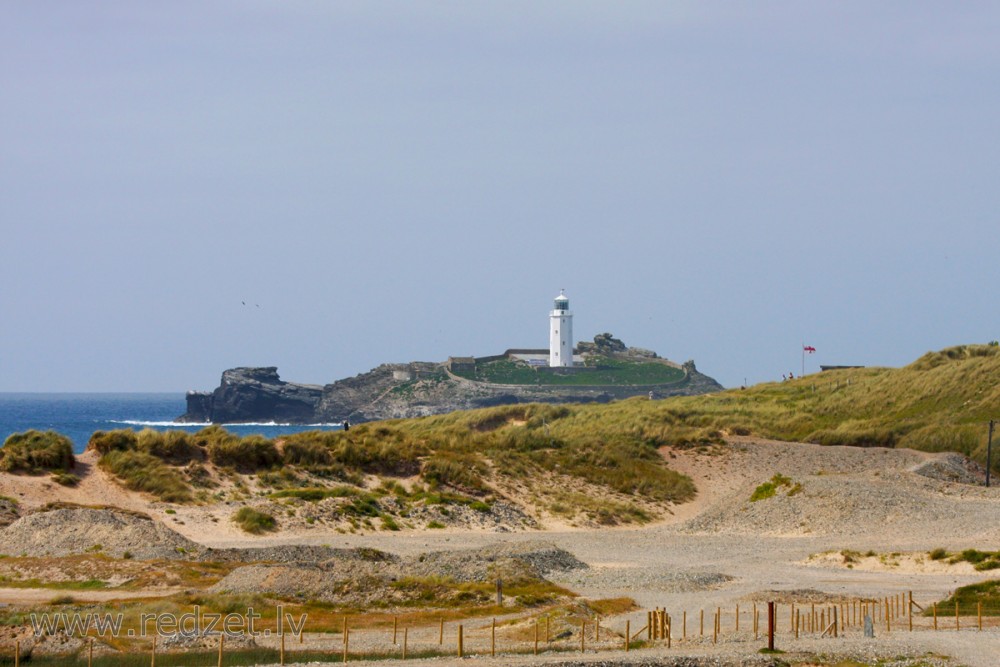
(396, 181)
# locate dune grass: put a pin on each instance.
(36, 451)
(140, 471)
(254, 521)
(985, 593)
(941, 402)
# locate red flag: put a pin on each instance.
(808, 348)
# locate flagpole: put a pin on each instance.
(803, 360)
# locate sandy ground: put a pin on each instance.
(852, 499)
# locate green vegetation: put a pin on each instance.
(227, 450)
(253, 521)
(140, 471)
(941, 402)
(606, 370)
(459, 458)
(981, 560)
(34, 452)
(986, 593)
(770, 488)
(65, 478)
(316, 494)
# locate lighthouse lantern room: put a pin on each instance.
(561, 332)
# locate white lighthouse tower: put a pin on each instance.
(561, 332)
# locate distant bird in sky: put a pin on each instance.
(243, 302)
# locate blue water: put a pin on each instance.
(77, 416)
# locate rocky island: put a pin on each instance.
(606, 369)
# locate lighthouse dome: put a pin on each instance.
(562, 301)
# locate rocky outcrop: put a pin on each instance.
(393, 391)
(254, 394)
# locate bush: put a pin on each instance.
(65, 478)
(140, 471)
(253, 521)
(108, 441)
(34, 451)
(175, 446)
(768, 489)
(249, 453)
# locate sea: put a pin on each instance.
(77, 416)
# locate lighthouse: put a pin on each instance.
(561, 332)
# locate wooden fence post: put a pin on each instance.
(702, 633)
(583, 636)
(628, 630)
(460, 640)
(406, 636)
(441, 633)
(935, 615)
(684, 626)
(281, 655)
(152, 661)
(956, 617)
(493, 636)
(649, 625)
(979, 615)
(770, 626)
(909, 610)
(536, 633)
(547, 635)
(737, 618)
(17, 653)
(347, 639)
(344, 631)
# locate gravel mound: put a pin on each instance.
(532, 560)
(292, 553)
(953, 467)
(366, 575)
(64, 532)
